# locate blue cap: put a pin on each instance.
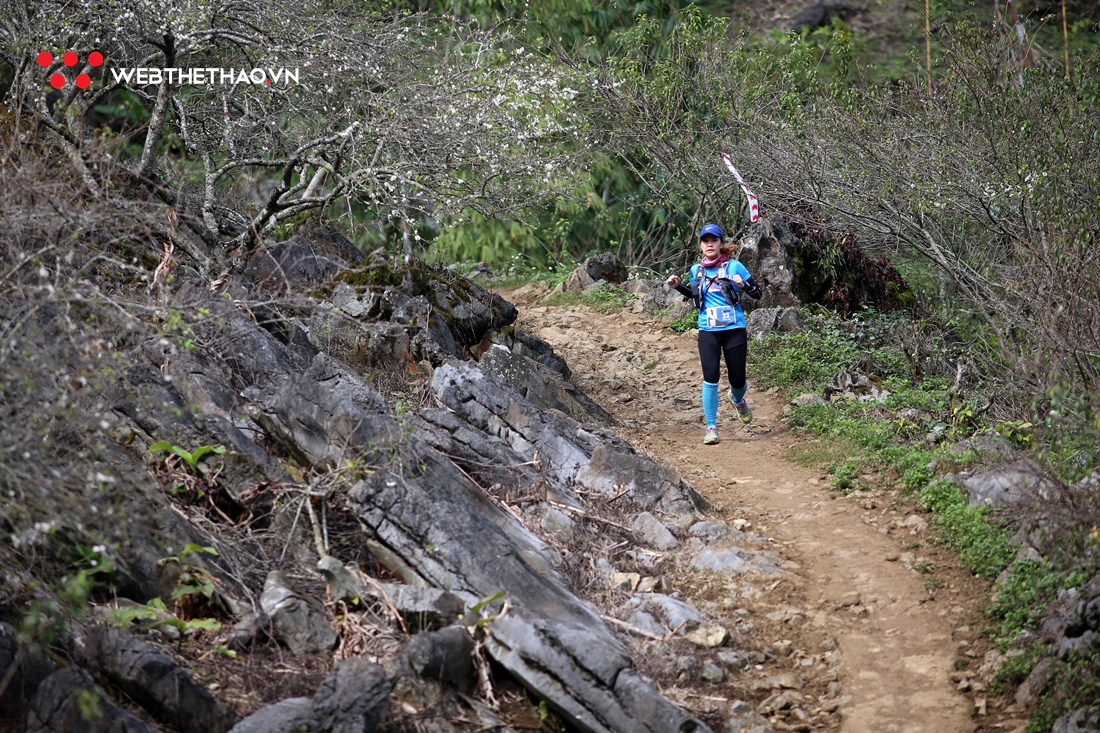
(711, 229)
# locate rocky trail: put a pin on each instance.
(434, 511)
(833, 594)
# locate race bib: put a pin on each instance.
(723, 315)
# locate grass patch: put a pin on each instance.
(604, 298)
(519, 271)
(983, 547)
(818, 452)
(685, 322)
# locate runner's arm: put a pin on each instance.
(751, 288)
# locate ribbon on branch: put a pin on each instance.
(754, 205)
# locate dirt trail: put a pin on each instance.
(848, 576)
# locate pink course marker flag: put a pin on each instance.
(754, 205)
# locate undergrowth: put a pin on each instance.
(604, 298)
(905, 441)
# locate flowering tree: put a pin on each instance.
(409, 115)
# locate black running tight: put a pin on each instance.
(734, 344)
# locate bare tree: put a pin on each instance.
(991, 186)
(409, 114)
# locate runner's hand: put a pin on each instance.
(673, 281)
(737, 280)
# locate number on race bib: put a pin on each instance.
(721, 316)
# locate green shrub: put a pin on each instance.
(1016, 669)
(1074, 683)
(1021, 600)
(846, 475)
(685, 322)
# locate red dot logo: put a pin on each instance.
(70, 59)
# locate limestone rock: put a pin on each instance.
(445, 656)
(650, 531)
(761, 322)
(647, 482)
(781, 701)
(154, 681)
(307, 259)
(712, 672)
(647, 622)
(726, 560)
(251, 628)
(353, 698)
(709, 531)
(297, 621)
(627, 582)
(558, 525)
(984, 443)
(342, 583)
(708, 635)
(764, 252)
(1082, 720)
(62, 699)
(766, 321)
(1028, 691)
(735, 560)
(542, 386)
(820, 14)
(293, 715)
(606, 267)
(25, 679)
(424, 608)
(1007, 484)
(567, 450)
(676, 614)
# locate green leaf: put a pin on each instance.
(191, 549)
(185, 455)
(203, 450)
(173, 622)
(184, 590)
(486, 601)
(204, 623)
(160, 445)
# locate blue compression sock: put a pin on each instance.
(710, 403)
(739, 394)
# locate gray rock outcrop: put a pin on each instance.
(150, 677)
(353, 698)
(68, 702)
(1082, 720)
(296, 620)
(1009, 483)
(764, 251)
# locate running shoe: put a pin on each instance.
(711, 437)
(744, 414)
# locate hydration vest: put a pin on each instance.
(702, 282)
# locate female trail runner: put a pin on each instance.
(717, 285)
